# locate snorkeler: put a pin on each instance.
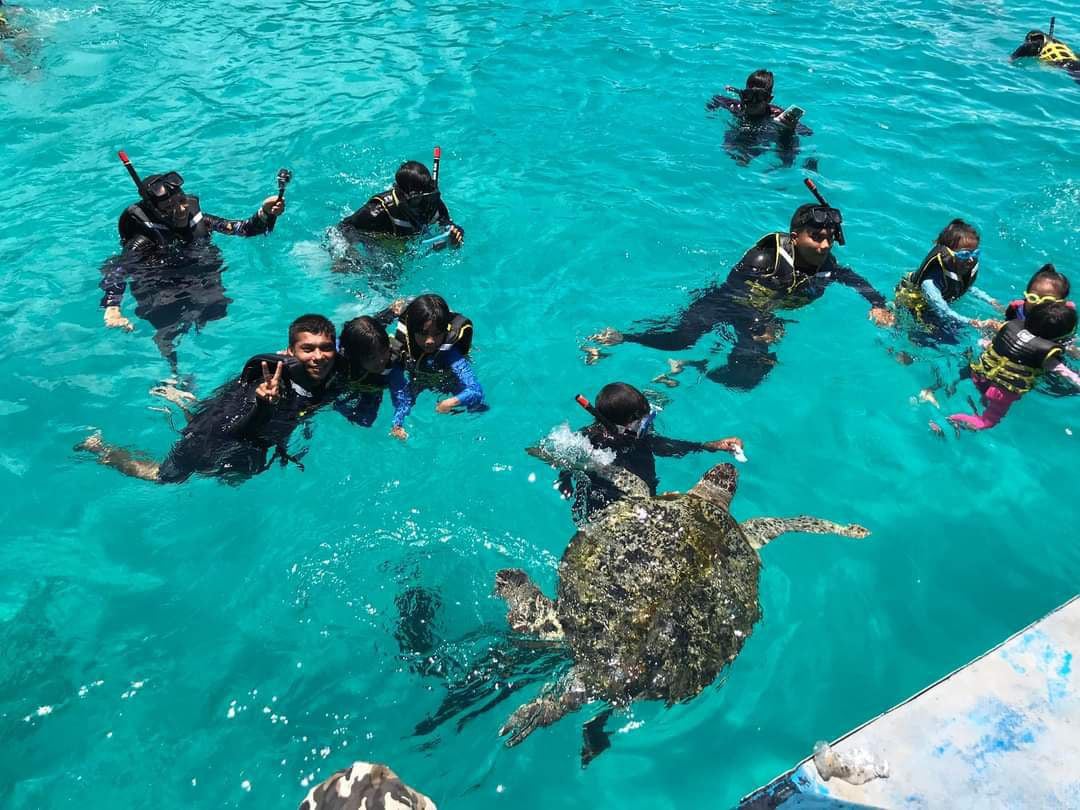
(17, 43)
(370, 364)
(230, 433)
(947, 273)
(1047, 48)
(758, 122)
(174, 267)
(624, 424)
(406, 210)
(434, 345)
(782, 271)
(1019, 354)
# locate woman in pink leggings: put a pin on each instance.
(1015, 359)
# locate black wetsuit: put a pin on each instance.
(231, 432)
(750, 137)
(631, 453)
(175, 275)
(762, 282)
(377, 233)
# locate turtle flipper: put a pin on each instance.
(550, 707)
(759, 531)
(529, 610)
(595, 740)
(626, 481)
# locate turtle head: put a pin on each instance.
(718, 485)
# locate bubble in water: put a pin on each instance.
(571, 446)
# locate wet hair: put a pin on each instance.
(621, 403)
(1049, 273)
(315, 324)
(760, 80)
(425, 308)
(801, 218)
(954, 233)
(1052, 321)
(413, 177)
(362, 338)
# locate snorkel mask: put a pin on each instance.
(822, 215)
(637, 429)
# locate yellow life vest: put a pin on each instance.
(1054, 52)
(1015, 358)
(910, 297)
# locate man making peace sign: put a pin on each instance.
(230, 433)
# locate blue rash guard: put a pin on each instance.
(465, 386)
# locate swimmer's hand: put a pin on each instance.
(398, 432)
(115, 320)
(398, 306)
(730, 445)
(269, 389)
(447, 405)
(882, 316)
(457, 235)
(272, 207)
(988, 324)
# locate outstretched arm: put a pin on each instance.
(114, 274)
(849, 278)
(261, 222)
(1060, 369)
(759, 531)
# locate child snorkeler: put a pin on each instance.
(946, 274)
(371, 365)
(1016, 358)
(623, 424)
(434, 344)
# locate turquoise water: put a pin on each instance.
(207, 644)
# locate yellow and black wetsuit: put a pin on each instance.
(767, 278)
(1050, 50)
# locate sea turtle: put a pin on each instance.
(656, 595)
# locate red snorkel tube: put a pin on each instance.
(131, 170)
(817, 194)
(611, 427)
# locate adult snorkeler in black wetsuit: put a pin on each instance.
(782, 271)
(231, 432)
(175, 269)
(380, 229)
(1047, 48)
(759, 124)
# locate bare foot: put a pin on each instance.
(607, 337)
(664, 379)
(675, 366)
(926, 395)
(92, 444)
(935, 428)
(170, 392)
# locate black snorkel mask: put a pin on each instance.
(163, 193)
(823, 215)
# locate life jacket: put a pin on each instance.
(1056, 52)
(1015, 358)
(459, 335)
(780, 285)
(136, 222)
(394, 208)
(957, 282)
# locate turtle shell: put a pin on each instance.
(656, 596)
